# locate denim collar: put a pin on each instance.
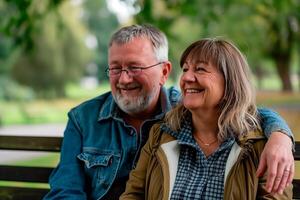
(110, 109)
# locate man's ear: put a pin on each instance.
(166, 70)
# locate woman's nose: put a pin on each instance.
(188, 76)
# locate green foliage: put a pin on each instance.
(267, 29)
(5, 51)
(101, 23)
(19, 18)
(58, 57)
(10, 90)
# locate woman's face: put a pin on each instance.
(202, 85)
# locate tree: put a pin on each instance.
(101, 23)
(58, 55)
(20, 18)
(282, 22)
(269, 27)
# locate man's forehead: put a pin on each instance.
(135, 50)
(141, 39)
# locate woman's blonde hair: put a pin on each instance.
(238, 112)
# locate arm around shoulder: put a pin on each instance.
(273, 122)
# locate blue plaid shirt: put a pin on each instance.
(198, 177)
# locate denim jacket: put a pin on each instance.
(99, 148)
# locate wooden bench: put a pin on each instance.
(25, 173)
(41, 174)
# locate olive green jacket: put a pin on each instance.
(154, 176)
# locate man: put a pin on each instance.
(104, 135)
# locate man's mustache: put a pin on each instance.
(128, 86)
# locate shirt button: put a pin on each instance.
(131, 132)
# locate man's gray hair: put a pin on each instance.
(158, 38)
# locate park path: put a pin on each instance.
(28, 130)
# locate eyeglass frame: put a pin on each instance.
(128, 70)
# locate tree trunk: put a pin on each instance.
(259, 74)
(281, 52)
(283, 68)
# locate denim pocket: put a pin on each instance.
(101, 166)
(93, 160)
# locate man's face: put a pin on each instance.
(136, 94)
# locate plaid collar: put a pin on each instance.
(185, 135)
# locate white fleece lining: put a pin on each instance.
(171, 150)
(232, 158)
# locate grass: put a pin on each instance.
(23, 184)
(49, 160)
(46, 111)
(271, 98)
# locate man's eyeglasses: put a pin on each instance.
(130, 70)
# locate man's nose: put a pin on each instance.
(125, 77)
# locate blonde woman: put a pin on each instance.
(209, 146)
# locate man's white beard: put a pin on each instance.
(134, 104)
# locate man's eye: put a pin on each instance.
(115, 69)
(134, 69)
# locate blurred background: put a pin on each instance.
(53, 53)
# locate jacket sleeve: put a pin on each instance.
(135, 186)
(263, 194)
(272, 121)
(67, 181)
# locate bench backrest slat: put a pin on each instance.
(19, 193)
(25, 143)
(25, 174)
(297, 151)
(296, 188)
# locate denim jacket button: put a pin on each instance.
(131, 132)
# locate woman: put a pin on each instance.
(209, 146)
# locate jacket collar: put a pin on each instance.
(110, 108)
(252, 135)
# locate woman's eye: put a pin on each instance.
(184, 69)
(199, 68)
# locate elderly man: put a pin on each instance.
(104, 135)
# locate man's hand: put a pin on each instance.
(277, 158)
